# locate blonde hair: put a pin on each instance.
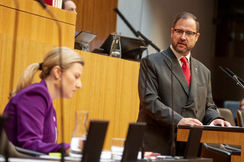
(51, 59)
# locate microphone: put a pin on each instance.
(61, 82)
(233, 77)
(147, 41)
(6, 148)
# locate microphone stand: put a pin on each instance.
(233, 77)
(147, 41)
(172, 99)
(6, 149)
(60, 65)
(238, 79)
(126, 22)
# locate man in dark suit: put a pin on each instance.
(192, 97)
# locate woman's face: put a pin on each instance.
(71, 80)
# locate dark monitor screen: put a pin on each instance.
(3, 118)
(131, 48)
(133, 141)
(193, 142)
(94, 142)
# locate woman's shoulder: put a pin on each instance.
(36, 95)
(35, 90)
(37, 87)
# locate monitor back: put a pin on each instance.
(94, 142)
(133, 142)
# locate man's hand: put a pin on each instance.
(220, 122)
(189, 121)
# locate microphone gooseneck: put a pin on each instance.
(233, 74)
(6, 148)
(147, 41)
(43, 4)
(172, 106)
(126, 22)
(237, 81)
(61, 82)
(137, 35)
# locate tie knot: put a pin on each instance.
(184, 60)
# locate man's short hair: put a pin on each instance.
(186, 15)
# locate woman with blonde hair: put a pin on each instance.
(32, 124)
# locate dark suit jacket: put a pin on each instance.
(155, 98)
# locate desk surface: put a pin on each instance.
(215, 128)
(104, 160)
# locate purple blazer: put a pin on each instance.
(33, 122)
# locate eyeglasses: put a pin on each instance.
(187, 33)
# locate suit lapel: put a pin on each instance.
(177, 70)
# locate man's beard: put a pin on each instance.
(182, 50)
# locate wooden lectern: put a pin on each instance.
(219, 135)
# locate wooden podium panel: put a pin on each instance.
(109, 92)
(221, 135)
(34, 23)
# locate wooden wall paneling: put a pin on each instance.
(37, 27)
(109, 92)
(5, 68)
(96, 17)
(28, 52)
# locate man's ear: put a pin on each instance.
(57, 72)
(172, 32)
(197, 36)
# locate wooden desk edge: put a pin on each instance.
(182, 135)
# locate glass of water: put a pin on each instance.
(117, 148)
(115, 49)
(79, 134)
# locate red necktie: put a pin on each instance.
(186, 69)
